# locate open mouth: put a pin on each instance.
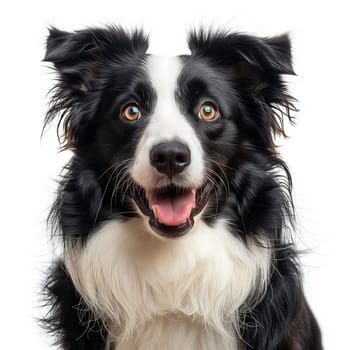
(171, 210)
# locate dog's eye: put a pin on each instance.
(131, 112)
(208, 111)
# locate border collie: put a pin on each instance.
(175, 210)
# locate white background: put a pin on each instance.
(317, 150)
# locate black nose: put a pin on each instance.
(170, 158)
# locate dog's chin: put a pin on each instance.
(171, 210)
(168, 231)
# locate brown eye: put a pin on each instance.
(131, 112)
(208, 111)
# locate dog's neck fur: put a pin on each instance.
(174, 332)
(169, 293)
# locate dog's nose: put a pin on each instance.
(170, 158)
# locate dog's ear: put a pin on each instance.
(257, 65)
(78, 57)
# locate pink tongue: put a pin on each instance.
(172, 209)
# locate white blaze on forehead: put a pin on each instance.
(164, 73)
(167, 123)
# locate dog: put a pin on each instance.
(175, 210)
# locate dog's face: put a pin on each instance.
(168, 138)
(185, 135)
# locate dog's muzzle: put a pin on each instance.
(171, 207)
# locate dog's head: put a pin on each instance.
(168, 139)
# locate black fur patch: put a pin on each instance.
(69, 319)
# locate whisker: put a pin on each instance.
(224, 182)
(115, 169)
(118, 181)
(102, 198)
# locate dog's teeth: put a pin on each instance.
(194, 192)
(189, 221)
(154, 212)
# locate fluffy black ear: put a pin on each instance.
(78, 57)
(256, 64)
(269, 55)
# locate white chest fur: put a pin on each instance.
(167, 294)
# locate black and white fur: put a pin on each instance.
(227, 279)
